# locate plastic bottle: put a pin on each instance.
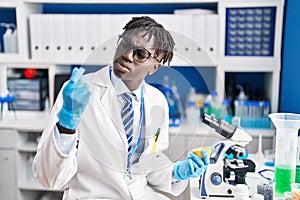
(192, 111)
(175, 90)
(297, 179)
(177, 107)
(226, 112)
(174, 111)
(10, 38)
(215, 105)
(200, 102)
(173, 103)
(242, 96)
(207, 105)
(14, 41)
(266, 109)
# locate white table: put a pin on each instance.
(195, 194)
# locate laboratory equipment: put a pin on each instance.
(297, 179)
(173, 103)
(226, 112)
(10, 38)
(9, 100)
(192, 111)
(228, 165)
(215, 105)
(241, 192)
(29, 87)
(266, 190)
(287, 125)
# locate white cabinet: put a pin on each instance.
(266, 18)
(269, 63)
(28, 187)
(8, 186)
(7, 174)
(18, 142)
(20, 12)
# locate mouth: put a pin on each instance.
(122, 67)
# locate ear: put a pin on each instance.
(154, 69)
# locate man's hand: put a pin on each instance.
(75, 98)
(193, 166)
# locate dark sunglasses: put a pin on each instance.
(140, 54)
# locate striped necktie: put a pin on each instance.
(127, 117)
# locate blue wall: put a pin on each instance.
(290, 77)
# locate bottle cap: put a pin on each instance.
(226, 102)
(258, 197)
(214, 93)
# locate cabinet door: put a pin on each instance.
(7, 174)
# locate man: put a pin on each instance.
(108, 129)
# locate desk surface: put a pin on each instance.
(194, 191)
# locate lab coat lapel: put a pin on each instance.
(109, 101)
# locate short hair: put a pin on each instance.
(164, 40)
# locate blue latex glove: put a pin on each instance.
(75, 98)
(193, 166)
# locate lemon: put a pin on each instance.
(199, 151)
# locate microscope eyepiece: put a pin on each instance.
(221, 126)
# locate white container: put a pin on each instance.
(10, 38)
(241, 192)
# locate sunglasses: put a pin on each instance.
(140, 54)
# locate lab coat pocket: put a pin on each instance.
(137, 186)
(153, 161)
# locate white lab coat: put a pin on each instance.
(95, 167)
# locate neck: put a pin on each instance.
(133, 85)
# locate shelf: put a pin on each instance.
(25, 121)
(28, 147)
(242, 63)
(118, 1)
(11, 57)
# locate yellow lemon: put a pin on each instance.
(199, 151)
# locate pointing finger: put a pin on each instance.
(77, 74)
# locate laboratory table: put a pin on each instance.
(194, 192)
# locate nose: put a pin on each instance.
(128, 55)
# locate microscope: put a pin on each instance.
(228, 164)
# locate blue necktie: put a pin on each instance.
(127, 117)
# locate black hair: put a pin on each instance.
(164, 41)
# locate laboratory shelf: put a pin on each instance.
(30, 147)
(119, 1)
